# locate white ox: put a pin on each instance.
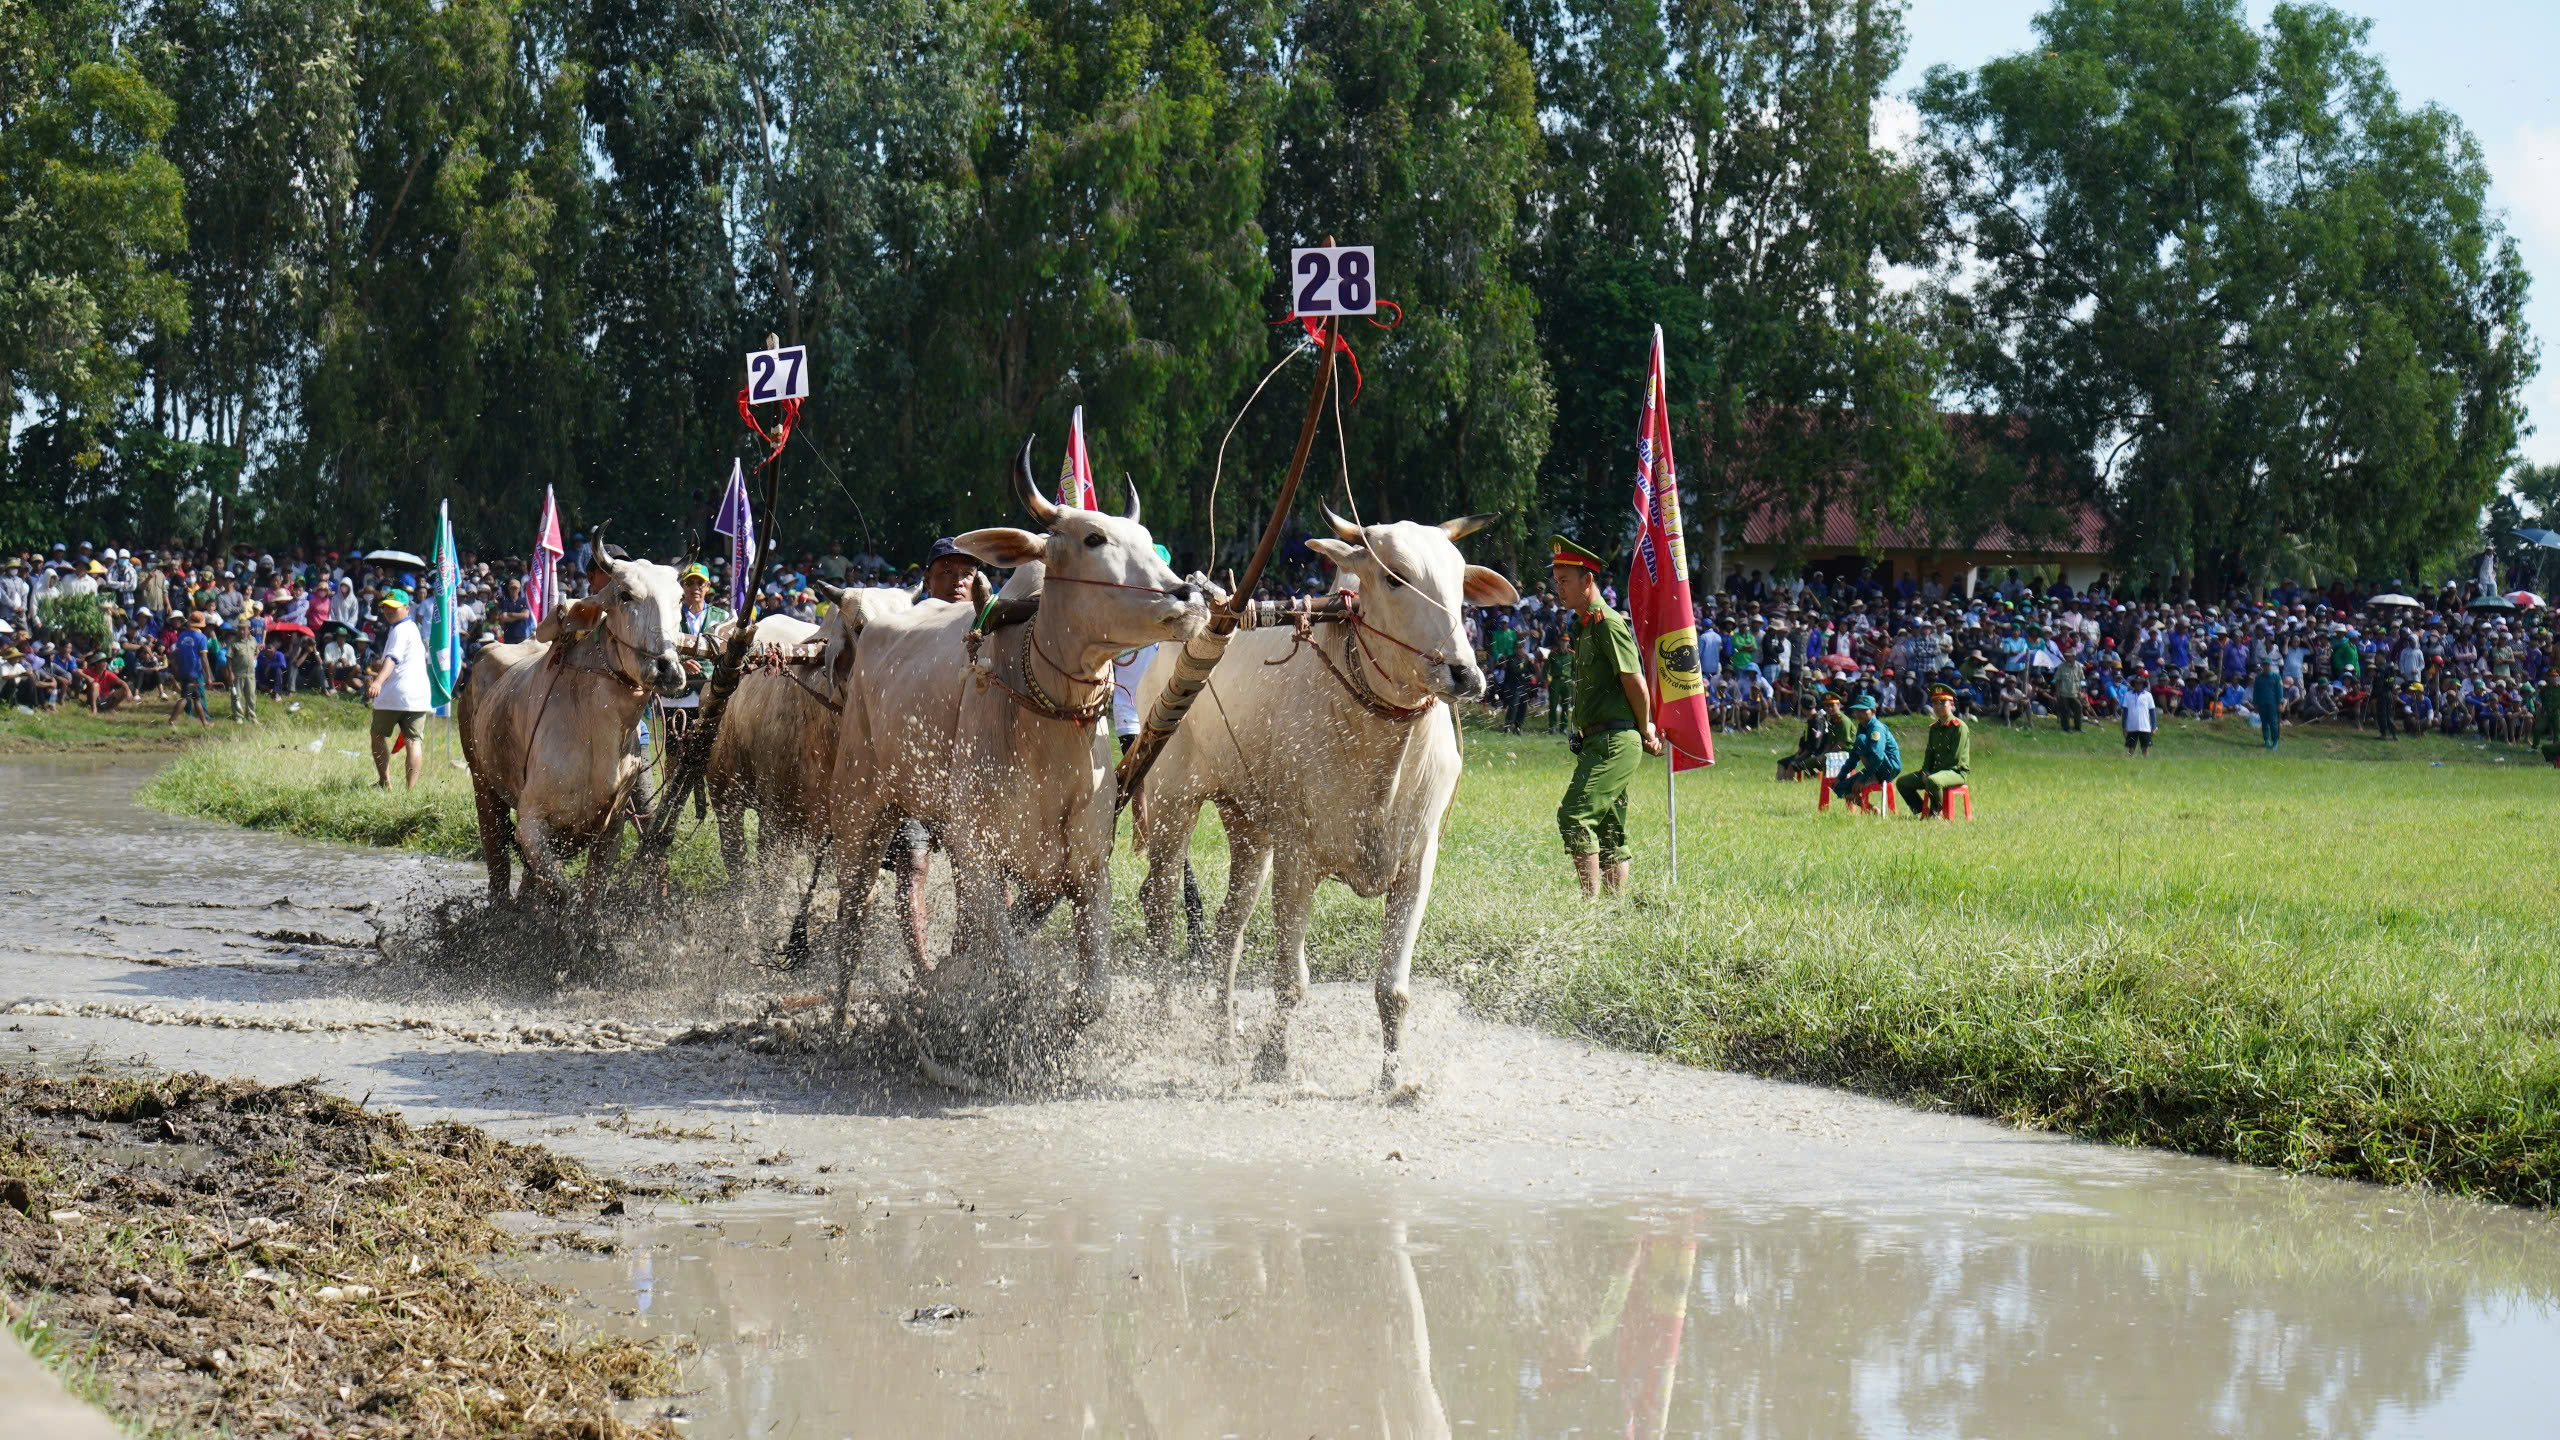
(1339, 762)
(1006, 761)
(776, 750)
(549, 728)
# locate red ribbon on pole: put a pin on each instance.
(1315, 336)
(777, 437)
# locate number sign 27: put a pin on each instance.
(778, 375)
(1335, 280)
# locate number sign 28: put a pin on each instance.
(778, 375)
(1337, 280)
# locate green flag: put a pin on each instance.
(444, 638)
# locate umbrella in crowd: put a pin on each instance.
(1838, 662)
(2547, 539)
(2402, 602)
(395, 557)
(2491, 603)
(286, 627)
(2526, 600)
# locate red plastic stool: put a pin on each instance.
(1947, 801)
(1824, 802)
(1858, 797)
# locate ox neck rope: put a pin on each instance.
(1038, 701)
(1353, 673)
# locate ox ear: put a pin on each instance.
(1485, 587)
(1466, 525)
(1003, 546)
(1335, 550)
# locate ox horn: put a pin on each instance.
(1132, 516)
(832, 594)
(1344, 530)
(1027, 490)
(1466, 525)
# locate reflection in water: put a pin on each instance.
(2238, 1304)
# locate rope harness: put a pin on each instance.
(1039, 701)
(789, 666)
(1352, 673)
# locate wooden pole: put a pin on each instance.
(1202, 652)
(694, 755)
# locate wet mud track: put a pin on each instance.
(1558, 1240)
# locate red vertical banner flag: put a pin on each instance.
(1075, 481)
(1658, 586)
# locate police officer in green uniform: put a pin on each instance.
(1612, 725)
(1948, 762)
(1560, 683)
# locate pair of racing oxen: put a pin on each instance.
(1338, 761)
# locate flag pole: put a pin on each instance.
(1671, 807)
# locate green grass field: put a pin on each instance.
(2338, 958)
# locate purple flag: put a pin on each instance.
(737, 520)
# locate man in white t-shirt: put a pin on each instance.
(399, 690)
(2141, 714)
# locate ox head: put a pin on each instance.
(639, 605)
(1099, 569)
(1412, 583)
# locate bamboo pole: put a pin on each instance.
(1201, 653)
(694, 756)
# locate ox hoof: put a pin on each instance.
(1400, 1092)
(1272, 1063)
(1088, 1005)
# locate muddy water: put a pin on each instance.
(1559, 1241)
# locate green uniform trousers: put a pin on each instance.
(1593, 817)
(1559, 704)
(1922, 793)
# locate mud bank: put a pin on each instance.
(230, 1257)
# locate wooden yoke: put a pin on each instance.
(1201, 653)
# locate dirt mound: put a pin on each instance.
(273, 1260)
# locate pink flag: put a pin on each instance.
(542, 577)
(1075, 481)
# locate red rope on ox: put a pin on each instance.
(779, 436)
(1315, 336)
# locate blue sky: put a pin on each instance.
(2494, 63)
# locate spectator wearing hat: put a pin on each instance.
(240, 670)
(190, 665)
(2266, 696)
(1946, 763)
(399, 691)
(1875, 757)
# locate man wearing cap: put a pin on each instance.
(1612, 725)
(1948, 762)
(399, 690)
(948, 569)
(2266, 696)
(699, 622)
(1875, 756)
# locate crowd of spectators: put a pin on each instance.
(2460, 659)
(175, 625)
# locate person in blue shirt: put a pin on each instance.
(190, 664)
